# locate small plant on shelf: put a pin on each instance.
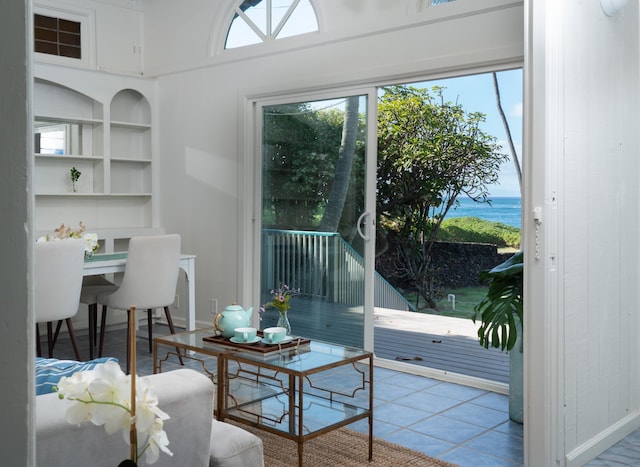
(75, 175)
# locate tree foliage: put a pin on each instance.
(340, 187)
(301, 151)
(429, 152)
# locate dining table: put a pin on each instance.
(110, 263)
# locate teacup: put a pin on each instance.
(275, 335)
(245, 334)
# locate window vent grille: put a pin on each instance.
(56, 36)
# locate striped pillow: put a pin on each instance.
(50, 370)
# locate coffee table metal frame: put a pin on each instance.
(275, 391)
(193, 344)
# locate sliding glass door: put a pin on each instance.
(316, 224)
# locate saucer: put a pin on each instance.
(283, 341)
(239, 341)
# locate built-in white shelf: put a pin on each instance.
(108, 138)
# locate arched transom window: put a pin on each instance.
(257, 21)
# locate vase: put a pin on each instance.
(516, 381)
(283, 322)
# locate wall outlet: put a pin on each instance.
(176, 302)
(213, 306)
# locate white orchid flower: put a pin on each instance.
(90, 242)
(103, 397)
(157, 441)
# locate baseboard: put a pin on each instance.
(602, 441)
(442, 375)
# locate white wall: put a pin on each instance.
(112, 31)
(582, 351)
(17, 342)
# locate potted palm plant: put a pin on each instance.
(500, 313)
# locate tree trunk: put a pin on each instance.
(505, 123)
(335, 204)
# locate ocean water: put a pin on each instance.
(505, 210)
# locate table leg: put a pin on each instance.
(92, 327)
(292, 405)
(300, 418)
(300, 452)
(370, 409)
(222, 365)
(189, 267)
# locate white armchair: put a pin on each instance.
(195, 439)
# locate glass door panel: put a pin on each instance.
(313, 200)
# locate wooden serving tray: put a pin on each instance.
(258, 346)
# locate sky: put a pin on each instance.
(476, 94)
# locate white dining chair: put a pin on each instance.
(58, 270)
(149, 282)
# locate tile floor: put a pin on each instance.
(459, 424)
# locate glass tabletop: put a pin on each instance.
(194, 340)
(305, 358)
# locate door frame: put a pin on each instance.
(250, 169)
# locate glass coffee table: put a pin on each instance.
(299, 391)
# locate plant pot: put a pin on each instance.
(516, 381)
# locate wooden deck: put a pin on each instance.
(429, 341)
(439, 342)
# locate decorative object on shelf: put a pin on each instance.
(91, 244)
(126, 403)
(280, 299)
(232, 317)
(75, 175)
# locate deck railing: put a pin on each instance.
(322, 265)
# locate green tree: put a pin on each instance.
(429, 152)
(298, 164)
(312, 166)
(340, 187)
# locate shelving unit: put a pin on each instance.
(107, 136)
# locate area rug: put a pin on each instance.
(340, 448)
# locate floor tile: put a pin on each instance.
(381, 374)
(493, 442)
(469, 458)
(456, 391)
(380, 428)
(428, 402)
(477, 415)
(419, 442)
(511, 428)
(407, 380)
(447, 429)
(493, 401)
(399, 415)
(390, 392)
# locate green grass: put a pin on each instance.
(466, 300)
(473, 229)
